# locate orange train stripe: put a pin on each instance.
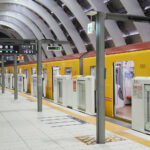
(108, 99)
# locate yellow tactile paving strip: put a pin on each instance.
(120, 130)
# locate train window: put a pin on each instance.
(20, 70)
(26, 73)
(33, 71)
(93, 71)
(68, 71)
(123, 75)
(9, 71)
(44, 72)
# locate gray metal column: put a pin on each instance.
(15, 78)
(39, 76)
(100, 86)
(3, 76)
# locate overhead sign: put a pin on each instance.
(20, 58)
(54, 48)
(29, 49)
(91, 28)
(9, 49)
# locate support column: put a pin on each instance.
(39, 76)
(100, 81)
(15, 78)
(3, 76)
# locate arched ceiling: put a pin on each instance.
(67, 20)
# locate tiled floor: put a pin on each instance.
(22, 128)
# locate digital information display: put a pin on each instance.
(9, 49)
(29, 49)
(26, 49)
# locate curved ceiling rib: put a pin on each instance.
(20, 31)
(81, 17)
(46, 16)
(32, 16)
(19, 24)
(133, 7)
(10, 33)
(6, 33)
(27, 22)
(61, 15)
(29, 33)
(110, 25)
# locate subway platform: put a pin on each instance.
(58, 128)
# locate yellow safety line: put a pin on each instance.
(120, 130)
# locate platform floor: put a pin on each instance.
(57, 128)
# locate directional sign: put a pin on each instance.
(54, 48)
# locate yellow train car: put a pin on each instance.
(122, 64)
(65, 65)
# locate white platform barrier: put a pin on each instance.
(141, 104)
(77, 93)
(9, 81)
(86, 94)
(34, 86)
(61, 87)
(22, 83)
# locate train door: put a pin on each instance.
(68, 71)
(123, 75)
(55, 72)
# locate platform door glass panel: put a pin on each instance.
(55, 72)
(20, 83)
(9, 81)
(81, 96)
(59, 82)
(0, 80)
(123, 75)
(147, 106)
(35, 85)
(68, 71)
(93, 73)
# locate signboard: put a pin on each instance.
(9, 49)
(54, 48)
(91, 27)
(29, 49)
(74, 85)
(20, 58)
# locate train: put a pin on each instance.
(122, 65)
